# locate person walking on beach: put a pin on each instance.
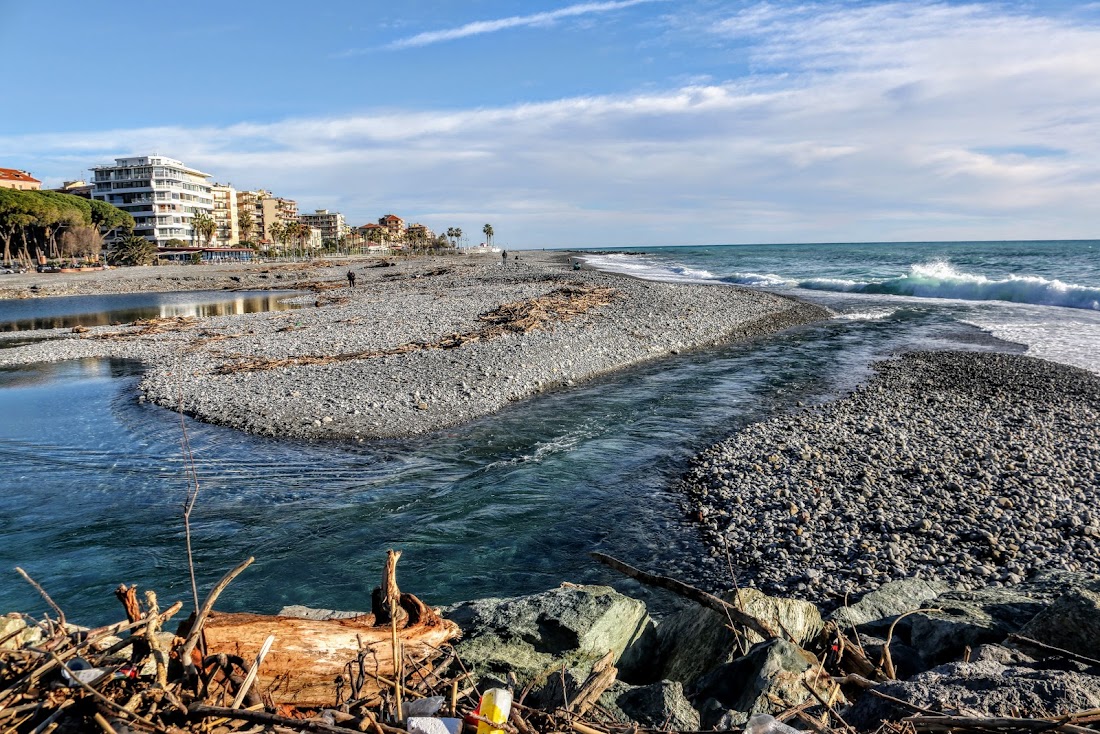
(351, 279)
(504, 259)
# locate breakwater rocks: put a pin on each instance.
(984, 652)
(421, 345)
(974, 469)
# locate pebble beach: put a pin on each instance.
(976, 469)
(422, 345)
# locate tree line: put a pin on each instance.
(53, 225)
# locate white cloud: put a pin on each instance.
(889, 121)
(481, 27)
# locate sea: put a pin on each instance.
(94, 480)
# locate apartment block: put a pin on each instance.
(265, 211)
(331, 224)
(225, 215)
(162, 194)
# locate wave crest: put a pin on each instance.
(941, 280)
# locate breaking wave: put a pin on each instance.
(941, 280)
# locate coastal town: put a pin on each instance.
(146, 209)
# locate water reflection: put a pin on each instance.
(104, 310)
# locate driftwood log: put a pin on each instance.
(309, 654)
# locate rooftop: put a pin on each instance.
(14, 174)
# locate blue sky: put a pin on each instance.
(613, 122)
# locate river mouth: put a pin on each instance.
(66, 312)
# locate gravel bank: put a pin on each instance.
(971, 468)
(402, 314)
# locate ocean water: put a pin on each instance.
(93, 480)
(1043, 295)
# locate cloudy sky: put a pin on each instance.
(617, 122)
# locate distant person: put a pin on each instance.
(351, 279)
(504, 259)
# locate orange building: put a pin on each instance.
(11, 178)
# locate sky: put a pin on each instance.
(571, 124)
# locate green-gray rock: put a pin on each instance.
(1071, 623)
(881, 607)
(532, 635)
(695, 640)
(969, 618)
(766, 681)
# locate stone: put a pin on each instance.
(692, 642)
(981, 688)
(877, 610)
(534, 635)
(969, 619)
(1072, 623)
(20, 634)
(661, 705)
(768, 680)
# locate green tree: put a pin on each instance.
(488, 232)
(245, 223)
(203, 226)
(132, 249)
(278, 232)
(109, 219)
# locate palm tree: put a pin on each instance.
(488, 231)
(204, 227)
(451, 235)
(277, 230)
(245, 223)
(458, 234)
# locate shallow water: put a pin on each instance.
(65, 312)
(94, 480)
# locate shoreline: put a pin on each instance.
(426, 344)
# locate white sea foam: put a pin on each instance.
(648, 268)
(942, 280)
(759, 279)
(1073, 341)
(868, 315)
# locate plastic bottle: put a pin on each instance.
(496, 704)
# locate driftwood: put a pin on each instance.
(690, 592)
(520, 317)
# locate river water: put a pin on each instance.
(94, 481)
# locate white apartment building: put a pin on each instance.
(331, 224)
(162, 194)
(225, 215)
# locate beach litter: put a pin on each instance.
(399, 670)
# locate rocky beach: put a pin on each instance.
(922, 548)
(421, 345)
(973, 469)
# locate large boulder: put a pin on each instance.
(661, 705)
(877, 610)
(534, 635)
(768, 680)
(1071, 623)
(692, 642)
(969, 619)
(981, 688)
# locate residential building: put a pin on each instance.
(266, 210)
(395, 226)
(76, 188)
(419, 233)
(228, 232)
(162, 194)
(331, 224)
(13, 178)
